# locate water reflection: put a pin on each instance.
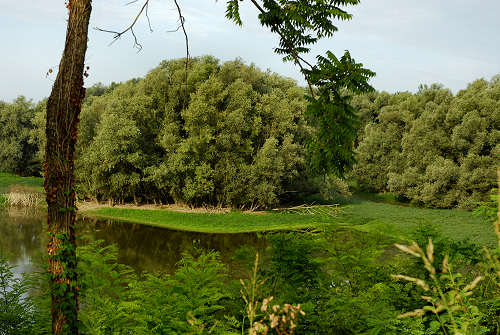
(21, 234)
(23, 238)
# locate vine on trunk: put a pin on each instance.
(63, 116)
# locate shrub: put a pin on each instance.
(431, 147)
(17, 314)
(232, 138)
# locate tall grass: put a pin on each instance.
(281, 320)
(448, 295)
(4, 201)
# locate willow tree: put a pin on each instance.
(298, 23)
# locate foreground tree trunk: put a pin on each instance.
(63, 112)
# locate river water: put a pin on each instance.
(23, 239)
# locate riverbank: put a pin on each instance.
(209, 222)
(21, 191)
(374, 217)
(402, 221)
(7, 180)
(369, 215)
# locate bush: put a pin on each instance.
(431, 147)
(17, 314)
(233, 137)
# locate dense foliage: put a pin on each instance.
(237, 136)
(227, 134)
(331, 148)
(432, 147)
(231, 136)
(19, 149)
(340, 277)
(17, 316)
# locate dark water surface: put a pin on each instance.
(23, 238)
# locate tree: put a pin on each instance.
(17, 152)
(431, 147)
(238, 139)
(299, 24)
(63, 112)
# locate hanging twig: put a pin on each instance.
(144, 10)
(182, 20)
(292, 51)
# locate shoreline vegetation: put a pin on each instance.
(206, 222)
(360, 212)
(392, 220)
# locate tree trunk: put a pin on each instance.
(63, 112)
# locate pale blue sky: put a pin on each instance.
(407, 42)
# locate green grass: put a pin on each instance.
(401, 221)
(3, 200)
(234, 222)
(388, 219)
(366, 212)
(7, 180)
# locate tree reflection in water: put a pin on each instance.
(23, 239)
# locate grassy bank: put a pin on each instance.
(402, 221)
(234, 222)
(7, 180)
(367, 212)
(21, 191)
(364, 215)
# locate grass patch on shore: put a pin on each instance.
(391, 220)
(7, 180)
(234, 222)
(21, 191)
(402, 221)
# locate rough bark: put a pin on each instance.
(63, 110)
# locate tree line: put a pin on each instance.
(230, 134)
(432, 147)
(224, 134)
(21, 127)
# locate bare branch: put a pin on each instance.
(147, 16)
(174, 30)
(182, 20)
(118, 34)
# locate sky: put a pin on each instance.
(406, 42)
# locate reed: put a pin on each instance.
(20, 196)
(275, 319)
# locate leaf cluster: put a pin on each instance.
(232, 136)
(17, 315)
(331, 149)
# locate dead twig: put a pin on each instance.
(327, 210)
(182, 20)
(130, 28)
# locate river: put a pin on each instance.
(23, 239)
